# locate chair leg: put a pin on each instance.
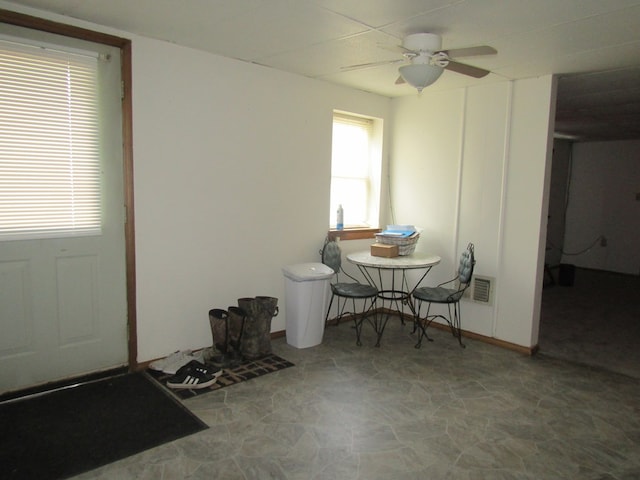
(367, 312)
(359, 319)
(357, 323)
(326, 318)
(422, 324)
(340, 310)
(455, 322)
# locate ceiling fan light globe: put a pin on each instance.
(420, 75)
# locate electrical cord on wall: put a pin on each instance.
(600, 239)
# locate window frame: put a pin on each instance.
(373, 180)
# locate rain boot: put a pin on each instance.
(219, 321)
(268, 310)
(237, 317)
(250, 344)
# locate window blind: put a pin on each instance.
(346, 119)
(49, 143)
(351, 168)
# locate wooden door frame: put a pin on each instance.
(124, 44)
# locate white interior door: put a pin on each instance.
(63, 305)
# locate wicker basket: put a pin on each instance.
(406, 245)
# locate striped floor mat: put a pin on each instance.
(246, 371)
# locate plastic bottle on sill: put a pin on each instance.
(340, 218)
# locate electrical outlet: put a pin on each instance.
(603, 241)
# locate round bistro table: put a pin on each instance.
(395, 287)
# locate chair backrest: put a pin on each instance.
(467, 262)
(332, 256)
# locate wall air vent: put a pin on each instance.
(483, 289)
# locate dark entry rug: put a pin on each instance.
(230, 376)
(74, 430)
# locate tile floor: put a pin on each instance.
(596, 321)
(394, 412)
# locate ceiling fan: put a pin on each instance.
(428, 60)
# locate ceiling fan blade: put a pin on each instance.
(371, 64)
(400, 80)
(467, 69)
(470, 51)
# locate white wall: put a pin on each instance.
(525, 208)
(471, 165)
(605, 179)
(232, 173)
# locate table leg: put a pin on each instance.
(395, 297)
(379, 323)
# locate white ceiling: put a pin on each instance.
(318, 38)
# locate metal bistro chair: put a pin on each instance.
(448, 293)
(332, 257)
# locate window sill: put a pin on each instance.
(355, 233)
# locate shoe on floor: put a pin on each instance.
(194, 375)
(173, 362)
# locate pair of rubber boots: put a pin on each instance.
(227, 330)
(243, 332)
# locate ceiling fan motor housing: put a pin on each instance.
(422, 42)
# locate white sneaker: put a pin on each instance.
(173, 362)
(200, 355)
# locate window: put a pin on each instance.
(49, 142)
(355, 170)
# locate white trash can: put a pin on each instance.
(307, 288)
